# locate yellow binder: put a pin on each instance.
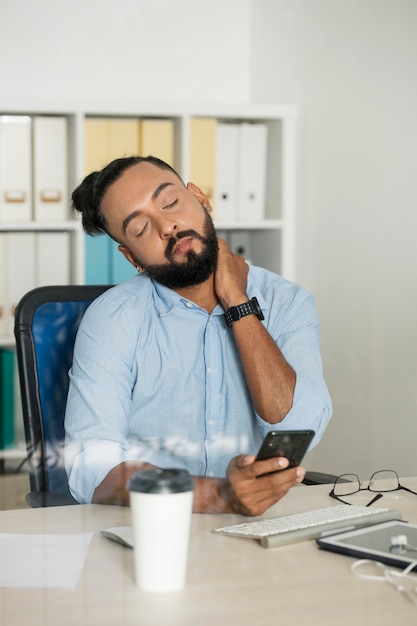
(157, 139)
(95, 144)
(203, 155)
(124, 138)
(109, 138)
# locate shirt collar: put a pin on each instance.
(168, 298)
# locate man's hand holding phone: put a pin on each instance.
(254, 484)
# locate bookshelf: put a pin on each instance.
(267, 238)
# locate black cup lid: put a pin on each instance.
(161, 481)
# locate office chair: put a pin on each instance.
(46, 322)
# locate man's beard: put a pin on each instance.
(196, 268)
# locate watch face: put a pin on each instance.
(234, 311)
(255, 306)
(257, 309)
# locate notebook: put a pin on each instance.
(120, 534)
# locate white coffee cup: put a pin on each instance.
(161, 506)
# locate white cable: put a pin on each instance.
(389, 576)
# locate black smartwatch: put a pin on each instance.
(241, 310)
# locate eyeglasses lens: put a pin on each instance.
(346, 484)
(389, 478)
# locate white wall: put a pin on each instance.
(87, 51)
(351, 67)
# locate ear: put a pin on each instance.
(200, 195)
(129, 256)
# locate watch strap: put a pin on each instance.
(235, 313)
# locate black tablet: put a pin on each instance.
(393, 543)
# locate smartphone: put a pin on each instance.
(292, 444)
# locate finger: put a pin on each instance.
(243, 460)
(256, 496)
(222, 242)
(289, 477)
(274, 464)
(273, 487)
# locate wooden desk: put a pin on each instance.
(230, 581)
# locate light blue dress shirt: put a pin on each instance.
(156, 378)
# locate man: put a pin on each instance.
(160, 377)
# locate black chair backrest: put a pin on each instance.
(46, 323)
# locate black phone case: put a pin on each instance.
(292, 444)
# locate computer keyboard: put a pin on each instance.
(309, 525)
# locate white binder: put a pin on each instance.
(50, 168)
(20, 271)
(3, 303)
(52, 258)
(15, 168)
(252, 168)
(227, 163)
(240, 243)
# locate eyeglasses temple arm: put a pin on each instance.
(375, 498)
(409, 490)
(332, 495)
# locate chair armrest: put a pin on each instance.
(38, 499)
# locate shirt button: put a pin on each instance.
(189, 305)
(210, 473)
(209, 370)
(210, 423)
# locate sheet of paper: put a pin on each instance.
(42, 560)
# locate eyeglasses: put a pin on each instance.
(348, 484)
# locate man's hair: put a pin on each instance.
(87, 197)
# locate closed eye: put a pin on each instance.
(141, 232)
(171, 205)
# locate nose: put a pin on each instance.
(168, 227)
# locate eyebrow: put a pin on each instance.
(134, 214)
